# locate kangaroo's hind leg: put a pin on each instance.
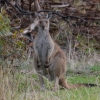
(54, 76)
(56, 83)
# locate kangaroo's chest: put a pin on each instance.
(43, 43)
(42, 40)
(43, 48)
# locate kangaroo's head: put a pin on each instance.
(43, 23)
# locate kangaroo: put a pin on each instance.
(47, 54)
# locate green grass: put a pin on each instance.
(82, 79)
(26, 87)
(95, 67)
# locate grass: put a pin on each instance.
(26, 87)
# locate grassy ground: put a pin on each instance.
(20, 86)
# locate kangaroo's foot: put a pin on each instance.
(43, 88)
(56, 84)
(55, 89)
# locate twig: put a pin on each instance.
(16, 5)
(63, 16)
(59, 6)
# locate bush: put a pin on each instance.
(4, 24)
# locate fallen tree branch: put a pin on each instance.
(31, 27)
(59, 6)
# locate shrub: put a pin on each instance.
(4, 24)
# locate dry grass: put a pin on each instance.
(25, 86)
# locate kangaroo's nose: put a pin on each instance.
(43, 27)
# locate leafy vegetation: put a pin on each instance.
(4, 24)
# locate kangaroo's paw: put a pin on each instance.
(47, 65)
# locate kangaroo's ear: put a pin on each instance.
(49, 15)
(37, 15)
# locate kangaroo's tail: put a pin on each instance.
(89, 85)
(64, 84)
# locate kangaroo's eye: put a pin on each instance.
(46, 21)
(40, 22)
